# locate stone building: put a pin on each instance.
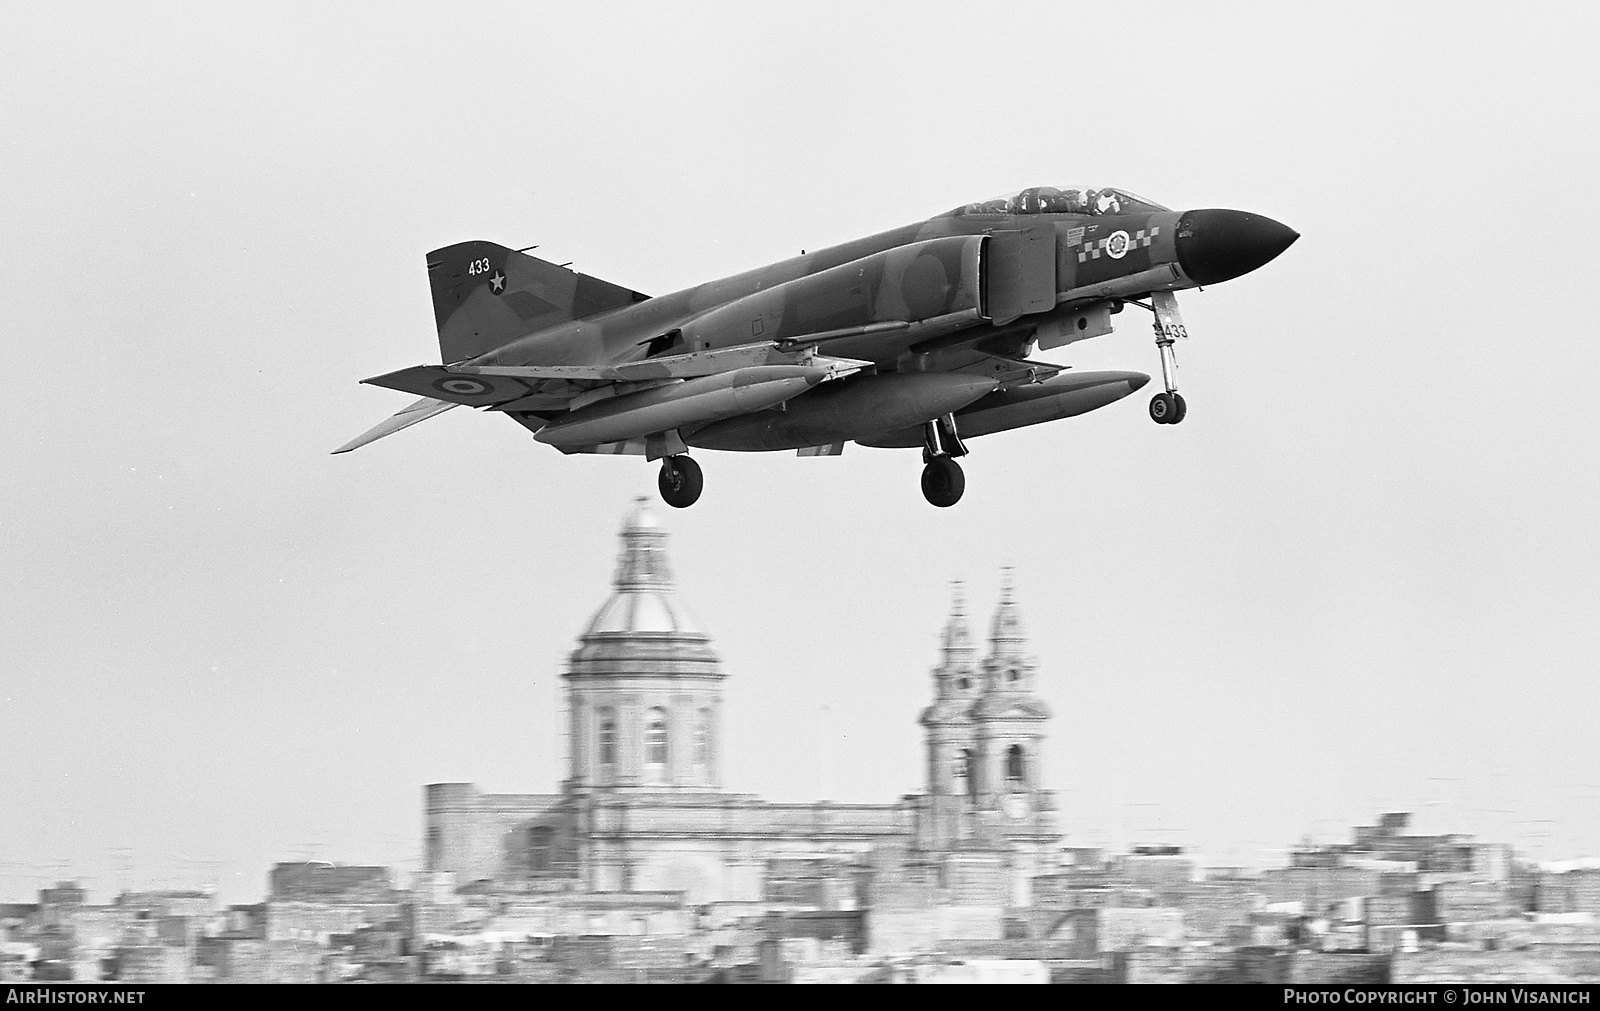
(643, 809)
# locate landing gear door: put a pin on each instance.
(1020, 271)
(1169, 322)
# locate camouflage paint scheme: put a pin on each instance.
(964, 295)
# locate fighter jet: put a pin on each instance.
(918, 337)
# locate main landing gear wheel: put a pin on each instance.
(1167, 408)
(943, 481)
(681, 481)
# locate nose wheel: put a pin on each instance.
(1167, 408)
(681, 481)
(943, 481)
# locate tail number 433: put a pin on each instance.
(478, 267)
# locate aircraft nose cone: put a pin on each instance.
(1216, 245)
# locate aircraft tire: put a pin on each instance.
(681, 482)
(1164, 408)
(943, 482)
(1180, 409)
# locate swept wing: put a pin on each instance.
(556, 388)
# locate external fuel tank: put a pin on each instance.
(1062, 396)
(846, 410)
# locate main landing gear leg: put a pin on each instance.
(681, 481)
(942, 478)
(1167, 408)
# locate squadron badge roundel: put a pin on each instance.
(1117, 245)
(461, 386)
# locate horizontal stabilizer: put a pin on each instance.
(422, 410)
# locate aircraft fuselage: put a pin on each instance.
(1099, 258)
(911, 336)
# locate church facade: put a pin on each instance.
(643, 809)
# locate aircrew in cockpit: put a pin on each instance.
(1064, 200)
(1054, 201)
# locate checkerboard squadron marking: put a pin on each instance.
(918, 337)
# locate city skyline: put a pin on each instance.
(188, 870)
(1360, 577)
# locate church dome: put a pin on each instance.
(642, 600)
(644, 693)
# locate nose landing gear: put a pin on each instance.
(1167, 408)
(942, 478)
(681, 481)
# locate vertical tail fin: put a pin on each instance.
(485, 295)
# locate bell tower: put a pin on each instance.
(985, 734)
(951, 749)
(1008, 727)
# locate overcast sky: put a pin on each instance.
(1361, 576)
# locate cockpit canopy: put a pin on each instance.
(1063, 200)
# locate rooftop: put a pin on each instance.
(643, 598)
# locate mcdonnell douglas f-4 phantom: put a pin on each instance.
(917, 337)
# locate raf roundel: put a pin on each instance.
(461, 386)
(1117, 245)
